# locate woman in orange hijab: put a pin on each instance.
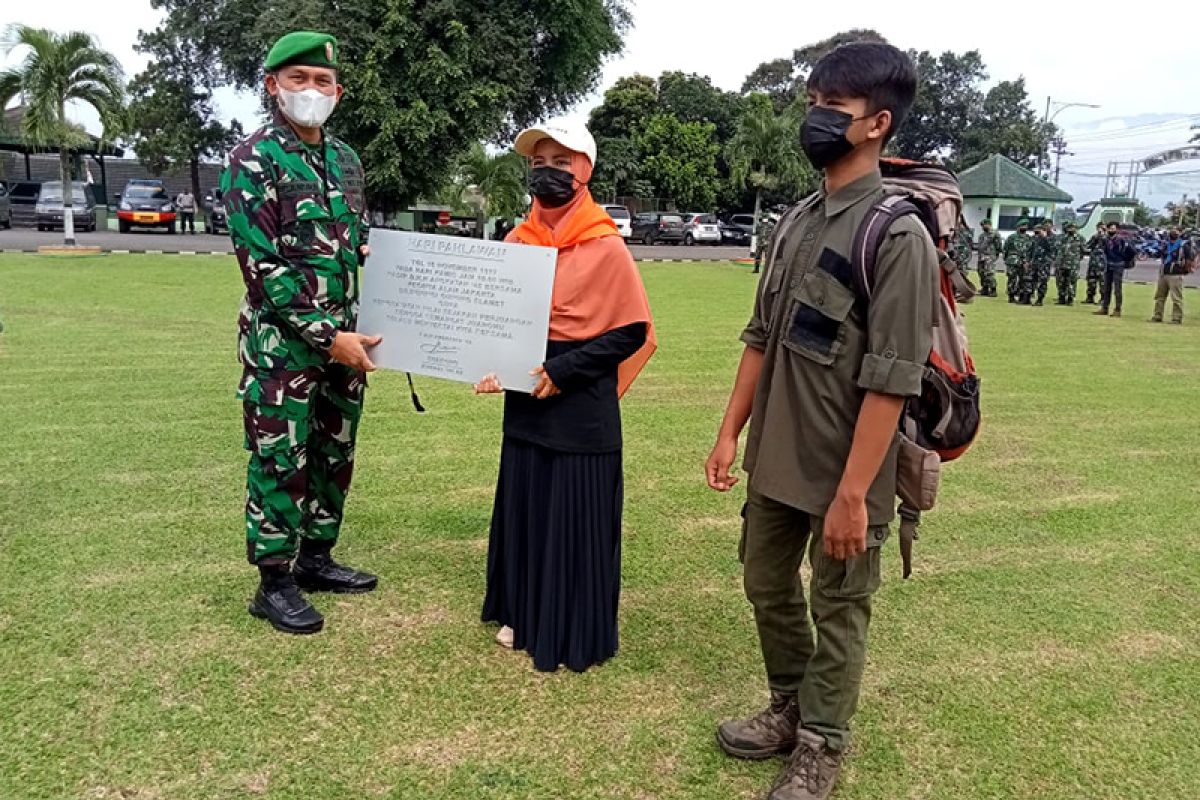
(554, 556)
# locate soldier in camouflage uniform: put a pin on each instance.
(963, 239)
(989, 246)
(1018, 251)
(763, 231)
(1045, 258)
(298, 220)
(1097, 263)
(1070, 253)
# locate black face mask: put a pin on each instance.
(823, 136)
(553, 188)
(1174, 236)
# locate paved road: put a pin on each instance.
(28, 239)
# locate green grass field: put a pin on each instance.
(1046, 647)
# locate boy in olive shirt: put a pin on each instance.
(822, 380)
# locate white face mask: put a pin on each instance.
(309, 108)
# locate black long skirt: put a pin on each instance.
(554, 557)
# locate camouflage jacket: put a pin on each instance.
(1095, 247)
(962, 247)
(990, 244)
(297, 218)
(1045, 250)
(763, 232)
(1018, 249)
(1070, 250)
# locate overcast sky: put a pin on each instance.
(1148, 89)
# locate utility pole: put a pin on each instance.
(1059, 149)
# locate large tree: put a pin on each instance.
(783, 79)
(952, 118)
(424, 80)
(172, 122)
(626, 107)
(1004, 123)
(60, 68)
(693, 98)
(948, 100)
(680, 160)
(618, 170)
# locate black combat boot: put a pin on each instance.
(316, 571)
(280, 602)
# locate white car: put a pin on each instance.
(620, 215)
(701, 229)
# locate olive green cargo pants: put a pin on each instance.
(825, 674)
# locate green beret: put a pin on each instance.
(305, 49)
(1022, 223)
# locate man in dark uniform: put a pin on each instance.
(298, 220)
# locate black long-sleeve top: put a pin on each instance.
(586, 417)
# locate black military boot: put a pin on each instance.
(280, 602)
(316, 571)
(770, 732)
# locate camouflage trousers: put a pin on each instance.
(1015, 277)
(1040, 280)
(1095, 278)
(987, 275)
(300, 430)
(1067, 280)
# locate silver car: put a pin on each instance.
(700, 229)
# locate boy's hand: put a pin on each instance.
(720, 461)
(846, 527)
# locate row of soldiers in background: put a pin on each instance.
(1029, 261)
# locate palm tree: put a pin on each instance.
(58, 69)
(493, 185)
(765, 151)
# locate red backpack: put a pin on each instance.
(945, 417)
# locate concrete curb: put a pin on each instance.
(104, 251)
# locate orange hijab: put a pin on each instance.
(597, 286)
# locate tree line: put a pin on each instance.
(430, 84)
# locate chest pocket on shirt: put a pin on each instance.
(353, 183)
(816, 317)
(303, 220)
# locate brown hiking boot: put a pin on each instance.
(1116, 314)
(770, 732)
(1101, 313)
(810, 773)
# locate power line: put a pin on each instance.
(1135, 130)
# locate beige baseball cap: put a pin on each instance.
(571, 135)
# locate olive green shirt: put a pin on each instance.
(823, 349)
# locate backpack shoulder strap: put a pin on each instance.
(869, 238)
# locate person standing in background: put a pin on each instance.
(990, 245)
(1070, 253)
(1119, 254)
(1018, 249)
(1097, 262)
(186, 204)
(1178, 260)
